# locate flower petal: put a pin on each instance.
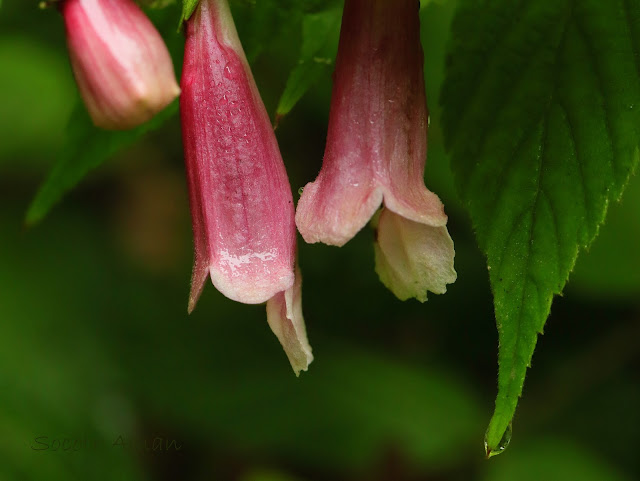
(240, 196)
(413, 258)
(284, 315)
(377, 136)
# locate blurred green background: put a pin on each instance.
(103, 375)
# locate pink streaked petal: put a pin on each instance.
(403, 119)
(120, 62)
(284, 315)
(377, 136)
(241, 202)
(333, 209)
(413, 258)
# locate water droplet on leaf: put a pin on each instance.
(502, 445)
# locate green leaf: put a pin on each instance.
(86, 148)
(265, 23)
(156, 4)
(320, 33)
(188, 6)
(541, 114)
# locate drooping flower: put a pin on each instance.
(121, 64)
(241, 203)
(376, 151)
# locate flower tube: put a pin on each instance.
(120, 62)
(376, 151)
(240, 197)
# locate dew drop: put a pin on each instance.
(502, 445)
(300, 190)
(228, 73)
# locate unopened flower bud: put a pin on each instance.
(122, 67)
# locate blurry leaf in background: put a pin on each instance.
(610, 269)
(265, 22)
(551, 459)
(538, 114)
(86, 148)
(118, 348)
(320, 32)
(157, 3)
(40, 91)
(344, 415)
(268, 476)
(57, 381)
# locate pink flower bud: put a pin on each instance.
(241, 202)
(377, 138)
(120, 62)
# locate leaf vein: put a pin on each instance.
(593, 59)
(481, 75)
(574, 145)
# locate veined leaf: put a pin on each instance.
(86, 148)
(320, 32)
(541, 115)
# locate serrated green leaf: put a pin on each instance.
(86, 148)
(320, 33)
(541, 115)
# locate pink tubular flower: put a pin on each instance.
(121, 64)
(241, 202)
(376, 150)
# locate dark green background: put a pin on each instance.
(95, 343)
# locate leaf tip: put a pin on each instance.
(493, 448)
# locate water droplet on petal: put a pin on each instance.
(228, 73)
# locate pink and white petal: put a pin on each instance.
(334, 208)
(413, 258)
(243, 194)
(284, 315)
(377, 136)
(346, 193)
